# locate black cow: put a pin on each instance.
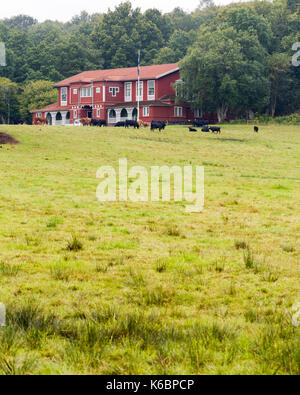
(129, 123)
(160, 125)
(119, 124)
(192, 129)
(199, 124)
(205, 129)
(215, 129)
(256, 129)
(98, 122)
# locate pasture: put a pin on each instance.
(146, 288)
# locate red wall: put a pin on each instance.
(164, 85)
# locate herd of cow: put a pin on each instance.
(204, 127)
(160, 125)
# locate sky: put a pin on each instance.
(64, 10)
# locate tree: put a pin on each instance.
(20, 22)
(162, 22)
(243, 18)
(8, 100)
(35, 95)
(121, 33)
(225, 70)
(176, 47)
(279, 64)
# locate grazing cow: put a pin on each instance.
(160, 125)
(199, 124)
(98, 122)
(129, 123)
(40, 121)
(86, 121)
(256, 129)
(205, 129)
(192, 129)
(119, 124)
(142, 123)
(215, 129)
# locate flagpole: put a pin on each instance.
(138, 89)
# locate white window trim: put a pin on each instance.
(150, 97)
(128, 98)
(98, 89)
(103, 93)
(86, 92)
(64, 102)
(177, 111)
(137, 90)
(146, 111)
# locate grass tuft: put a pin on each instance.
(75, 244)
(9, 270)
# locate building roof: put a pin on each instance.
(125, 74)
(53, 107)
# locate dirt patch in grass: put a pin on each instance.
(7, 139)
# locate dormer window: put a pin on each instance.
(114, 90)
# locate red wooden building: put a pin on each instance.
(113, 95)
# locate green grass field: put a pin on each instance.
(146, 288)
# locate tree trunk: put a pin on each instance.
(222, 112)
(8, 111)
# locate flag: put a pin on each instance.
(139, 62)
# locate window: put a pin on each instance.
(38, 114)
(151, 90)
(75, 113)
(75, 91)
(146, 111)
(139, 90)
(64, 96)
(128, 91)
(98, 90)
(177, 111)
(112, 114)
(198, 113)
(86, 92)
(98, 113)
(179, 87)
(114, 90)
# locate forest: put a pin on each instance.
(236, 57)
